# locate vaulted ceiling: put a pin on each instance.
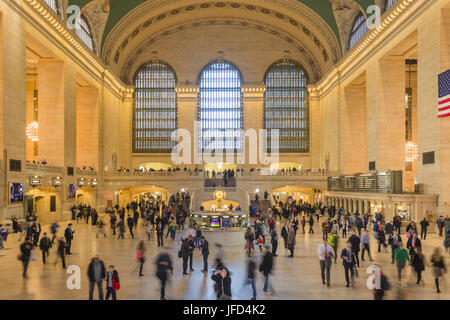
(126, 30)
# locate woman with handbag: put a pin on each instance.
(223, 283)
(438, 265)
(140, 256)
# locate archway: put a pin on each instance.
(46, 203)
(290, 193)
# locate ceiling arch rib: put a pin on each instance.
(306, 27)
(143, 52)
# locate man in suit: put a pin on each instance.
(413, 243)
(204, 246)
(423, 228)
(349, 261)
(45, 244)
(160, 233)
(274, 237)
(130, 222)
(68, 235)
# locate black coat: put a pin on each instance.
(355, 241)
(91, 271)
(267, 264)
(223, 285)
(205, 248)
(409, 244)
(68, 235)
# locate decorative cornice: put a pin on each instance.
(253, 91)
(72, 41)
(187, 92)
(362, 48)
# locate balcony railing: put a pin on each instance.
(86, 172)
(43, 168)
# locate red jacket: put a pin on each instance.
(115, 280)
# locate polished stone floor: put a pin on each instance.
(297, 278)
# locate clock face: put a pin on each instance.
(219, 194)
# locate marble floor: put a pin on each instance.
(293, 279)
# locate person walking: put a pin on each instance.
(413, 243)
(355, 241)
(349, 261)
(121, 226)
(163, 268)
(140, 256)
(251, 276)
(53, 230)
(130, 223)
(249, 238)
(96, 274)
(417, 262)
(112, 222)
(401, 256)
(266, 268)
(112, 283)
(204, 247)
(284, 234)
(303, 223)
(437, 260)
(68, 235)
(274, 241)
(333, 241)
(365, 241)
(25, 255)
(393, 241)
(45, 244)
(326, 253)
(61, 252)
(291, 241)
(160, 233)
(311, 224)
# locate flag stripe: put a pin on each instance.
(444, 95)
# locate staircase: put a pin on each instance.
(219, 182)
(262, 205)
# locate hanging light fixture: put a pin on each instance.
(411, 151)
(32, 129)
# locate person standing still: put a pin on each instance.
(96, 274)
(204, 246)
(112, 283)
(68, 235)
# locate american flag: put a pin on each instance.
(444, 95)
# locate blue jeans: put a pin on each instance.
(91, 289)
(197, 241)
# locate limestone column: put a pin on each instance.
(52, 98)
(253, 119)
(187, 100)
(315, 147)
(385, 100)
(12, 105)
(126, 131)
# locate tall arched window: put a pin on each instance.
(359, 29)
(84, 32)
(286, 105)
(53, 4)
(389, 3)
(155, 108)
(220, 107)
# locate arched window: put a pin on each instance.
(84, 32)
(53, 4)
(220, 107)
(359, 30)
(389, 3)
(286, 105)
(155, 108)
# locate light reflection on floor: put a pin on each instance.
(297, 278)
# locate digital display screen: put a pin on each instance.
(215, 223)
(71, 191)
(226, 222)
(16, 192)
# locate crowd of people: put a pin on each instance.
(261, 242)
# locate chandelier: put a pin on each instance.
(411, 151)
(33, 131)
